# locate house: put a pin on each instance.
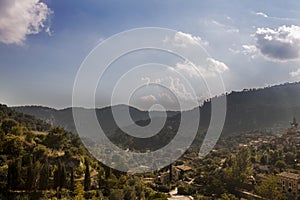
(175, 174)
(290, 183)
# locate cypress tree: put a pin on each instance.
(87, 176)
(14, 179)
(44, 179)
(29, 178)
(63, 176)
(72, 185)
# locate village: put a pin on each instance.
(265, 161)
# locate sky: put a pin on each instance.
(43, 43)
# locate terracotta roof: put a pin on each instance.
(183, 167)
(289, 175)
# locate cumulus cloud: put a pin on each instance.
(177, 90)
(216, 66)
(185, 40)
(282, 44)
(190, 70)
(295, 73)
(186, 82)
(186, 68)
(21, 18)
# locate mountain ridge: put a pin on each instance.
(247, 110)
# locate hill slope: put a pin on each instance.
(254, 109)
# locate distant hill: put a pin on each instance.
(247, 110)
(261, 109)
(64, 117)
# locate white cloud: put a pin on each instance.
(19, 18)
(295, 73)
(227, 28)
(262, 14)
(211, 69)
(282, 44)
(149, 98)
(185, 40)
(186, 82)
(186, 68)
(175, 85)
(249, 49)
(216, 66)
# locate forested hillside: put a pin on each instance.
(247, 110)
(38, 161)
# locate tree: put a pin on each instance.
(56, 139)
(264, 160)
(129, 193)
(44, 179)
(101, 178)
(239, 170)
(158, 195)
(29, 179)
(13, 146)
(36, 174)
(226, 196)
(290, 158)
(72, 185)
(280, 164)
(87, 176)
(14, 179)
(16, 130)
(116, 194)
(7, 125)
(63, 176)
(79, 191)
(269, 188)
(60, 176)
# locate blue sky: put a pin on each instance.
(257, 41)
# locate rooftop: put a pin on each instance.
(289, 175)
(183, 167)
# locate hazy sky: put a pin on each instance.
(251, 43)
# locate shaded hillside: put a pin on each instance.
(260, 109)
(64, 118)
(248, 110)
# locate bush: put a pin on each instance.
(90, 194)
(186, 190)
(163, 188)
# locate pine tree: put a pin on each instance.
(87, 177)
